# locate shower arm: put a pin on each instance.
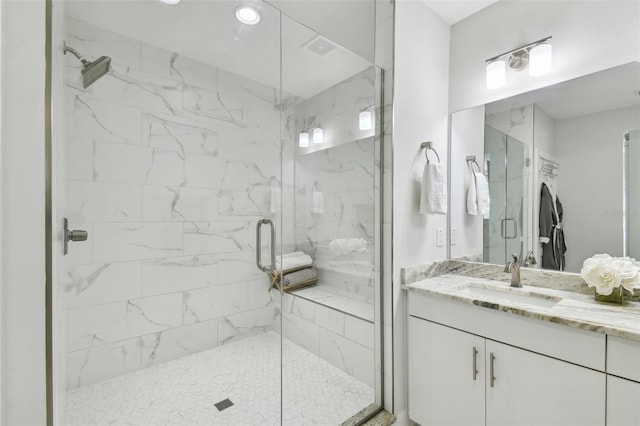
(75, 53)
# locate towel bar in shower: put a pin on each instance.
(269, 268)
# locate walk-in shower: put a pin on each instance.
(174, 147)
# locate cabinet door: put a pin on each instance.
(442, 387)
(623, 402)
(532, 389)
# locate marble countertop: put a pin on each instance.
(572, 309)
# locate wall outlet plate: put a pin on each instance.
(453, 237)
(440, 237)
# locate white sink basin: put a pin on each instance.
(509, 294)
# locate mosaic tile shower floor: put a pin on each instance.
(185, 391)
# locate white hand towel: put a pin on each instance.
(482, 189)
(472, 196)
(433, 197)
(290, 262)
(317, 202)
(275, 200)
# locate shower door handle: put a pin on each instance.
(507, 233)
(272, 266)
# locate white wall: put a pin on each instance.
(589, 149)
(544, 128)
(420, 114)
(588, 36)
(467, 138)
(23, 227)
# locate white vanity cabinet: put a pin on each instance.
(623, 402)
(515, 384)
(444, 388)
(533, 389)
(623, 382)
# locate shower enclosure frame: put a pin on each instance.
(53, 219)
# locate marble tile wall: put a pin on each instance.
(170, 164)
(344, 173)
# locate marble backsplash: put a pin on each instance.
(529, 276)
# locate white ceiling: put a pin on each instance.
(602, 91)
(453, 11)
(208, 32)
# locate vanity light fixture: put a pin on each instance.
(365, 119)
(318, 135)
(536, 56)
(303, 140)
(496, 74)
(540, 59)
(248, 15)
(171, 2)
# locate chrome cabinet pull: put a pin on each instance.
(475, 363)
(492, 359)
(272, 266)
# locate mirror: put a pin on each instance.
(576, 143)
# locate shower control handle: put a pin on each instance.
(77, 235)
(73, 235)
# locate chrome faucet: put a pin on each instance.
(529, 260)
(514, 268)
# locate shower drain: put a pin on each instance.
(225, 403)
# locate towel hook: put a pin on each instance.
(427, 146)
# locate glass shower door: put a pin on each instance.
(516, 203)
(173, 158)
(331, 163)
(506, 231)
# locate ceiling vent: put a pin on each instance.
(320, 46)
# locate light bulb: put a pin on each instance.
(540, 60)
(248, 15)
(303, 140)
(365, 121)
(318, 135)
(496, 74)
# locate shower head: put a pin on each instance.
(91, 71)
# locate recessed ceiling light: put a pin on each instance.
(171, 2)
(248, 15)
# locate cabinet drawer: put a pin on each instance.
(623, 357)
(559, 341)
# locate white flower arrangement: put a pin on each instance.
(606, 273)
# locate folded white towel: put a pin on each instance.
(293, 260)
(275, 200)
(317, 202)
(343, 246)
(478, 199)
(433, 196)
(293, 254)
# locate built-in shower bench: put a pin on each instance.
(334, 324)
(337, 299)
